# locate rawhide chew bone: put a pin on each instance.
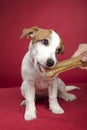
(65, 65)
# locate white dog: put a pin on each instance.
(44, 46)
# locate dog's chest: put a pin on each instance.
(41, 83)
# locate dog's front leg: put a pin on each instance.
(53, 102)
(28, 91)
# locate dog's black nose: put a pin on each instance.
(50, 63)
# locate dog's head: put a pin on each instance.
(44, 48)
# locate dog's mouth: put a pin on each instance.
(41, 68)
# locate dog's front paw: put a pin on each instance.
(57, 109)
(30, 116)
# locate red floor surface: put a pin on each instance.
(11, 113)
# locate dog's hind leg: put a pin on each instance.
(63, 93)
(23, 103)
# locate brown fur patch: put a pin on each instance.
(60, 48)
(36, 33)
(41, 34)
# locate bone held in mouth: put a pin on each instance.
(65, 65)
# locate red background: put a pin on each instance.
(68, 18)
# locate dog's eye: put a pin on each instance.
(45, 42)
(58, 51)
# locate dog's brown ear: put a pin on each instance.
(30, 32)
(62, 46)
(36, 33)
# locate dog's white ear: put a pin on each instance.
(62, 46)
(30, 32)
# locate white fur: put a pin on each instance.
(35, 82)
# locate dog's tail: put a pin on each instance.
(69, 88)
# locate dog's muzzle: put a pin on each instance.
(49, 63)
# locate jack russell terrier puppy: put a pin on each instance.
(44, 47)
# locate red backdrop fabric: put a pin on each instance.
(68, 18)
(74, 118)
